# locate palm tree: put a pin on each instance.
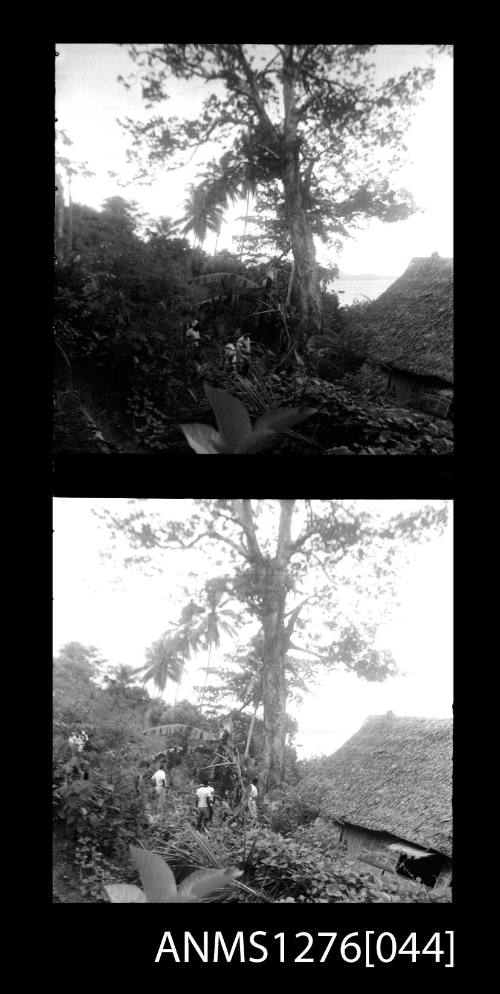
(201, 214)
(120, 678)
(163, 663)
(213, 626)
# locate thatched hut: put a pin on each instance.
(409, 334)
(389, 789)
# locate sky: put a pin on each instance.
(121, 612)
(89, 100)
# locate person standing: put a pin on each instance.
(243, 347)
(230, 357)
(252, 798)
(160, 785)
(193, 338)
(204, 801)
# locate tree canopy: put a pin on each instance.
(288, 565)
(306, 124)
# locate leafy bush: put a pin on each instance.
(285, 811)
(93, 867)
(366, 380)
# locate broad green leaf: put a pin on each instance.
(201, 438)
(201, 883)
(255, 441)
(125, 894)
(283, 418)
(157, 877)
(232, 417)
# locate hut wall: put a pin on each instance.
(444, 879)
(372, 848)
(404, 387)
(425, 393)
(358, 839)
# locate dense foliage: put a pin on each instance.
(310, 133)
(104, 808)
(125, 377)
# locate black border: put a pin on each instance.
(121, 945)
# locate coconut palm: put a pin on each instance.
(222, 183)
(120, 678)
(201, 214)
(216, 622)
(163, 663)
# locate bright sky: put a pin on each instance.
(123, 612)
(89, 100)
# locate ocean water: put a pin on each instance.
(360, 289)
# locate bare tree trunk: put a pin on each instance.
(306, 270)
(273, 683)
(179, 682)
(59, 219)
(245, 227)
(271, 577)
(304, 255)
(250, 733)
(206, 677)
(290, 284)
(70, 220)
(275, 645)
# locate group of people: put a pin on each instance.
(236, 354)
(205, 799)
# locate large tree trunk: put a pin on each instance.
(59, 225)
(271, 588)
(275, 645)
(273, 683)
(306, 270)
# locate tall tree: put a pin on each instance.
(218, 620)
(70, 168)
(290, 562)
(309, 119)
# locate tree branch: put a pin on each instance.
(254, 94)
(283, 547)
(243, 513)
(309, 652)
(209, 534)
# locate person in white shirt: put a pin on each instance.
(204, 802)
(160, 781)
(193, 337)
(230, 356)
(252, 798)
(243, 348)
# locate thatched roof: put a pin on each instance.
(393, 775)
(410, 326)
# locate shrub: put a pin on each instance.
(285, 811)
(366, 380)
